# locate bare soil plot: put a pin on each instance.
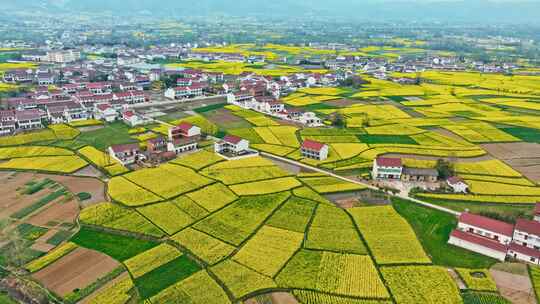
(78, 269)
(523, 157)
(516, 288)
(12, 201)
(43, 247)
(81, 184)
(61, 212)
(88, 171)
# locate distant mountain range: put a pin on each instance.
(480, 11)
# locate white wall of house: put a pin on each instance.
(501, 238)
(477, 248)
(523, 257)
(386, 172)
(525, 239)
(181, 149)
(459, 187)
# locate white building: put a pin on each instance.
(183, 138)
(310, 119)
(105, 112)
(457, 184)
(184, 92)
(482, 235)
(526, 242)
(126, 154)
(314, 150)
(232, 145)
(63, 56)
(387, 168)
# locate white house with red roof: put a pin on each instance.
(185, 92)
(482, 235)
(387, 168)
(132, 119)
(126, 154)
(232, 145)
(105, 111)
(526, 242)
(314, 150)
(457, 184)
(183, 138)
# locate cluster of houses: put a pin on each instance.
(499, 240)
(181, 139)
(391, 168)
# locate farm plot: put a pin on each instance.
(213, 197)
(266, 186)
(274, 149)
(198, 160)
(115, 217)
(118, 293)
(75, 270)
(239, 220)
(311, 297)
(483, 298)
(103, 160)
(168, 180)
(333, 230)
(480, 132)
(204, 246)
(388, 235)
(54, 164)
(307, 193)
(240, 279)
(494, 188)
(164, 276)
(510, 199)
(338, 274)
(190, 207)
(279, 135)
(269, 249)
(50, 257)
(421, 284)
(477, 279)
(129, 194)
(230, 176)
(32, 151)
(151, 259)
(27, 138)
(492, 167)
(331, 184)
(294, 215)
(167, 216)
(198, 288)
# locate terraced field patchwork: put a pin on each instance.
(151, 259)
(339, 274)
(198, 160)
(167, 216)
(389, 236)
(207, 248)
(269, 249)
(56, 164)
(421, 284)
(266, 186)
(129, 194)
(198, 288)
(330, 184)
(240, 279)
(294, 215)
(213, 197)
(115, 217)
(333, 230)
(239, 220)
(477, 279)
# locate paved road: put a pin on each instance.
(296, 163)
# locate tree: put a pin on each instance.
(444, 168)
(338, 121)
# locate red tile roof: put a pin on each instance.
(487, 223)
(531, 227)
(232, 139)
(479, 240)
(389, 162)
(313, 145)
(455, 180)
(125, 147)
(184, 126)
(525, 250)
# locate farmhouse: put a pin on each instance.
(420, 175)
(457, 184)
(387, 168)
(482, 235)
(126, 154)
(526, 242)
(232, 145)
(314, 150)
(192, 91)
(105, 112)
(183, 138)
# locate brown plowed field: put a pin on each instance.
(78, 269)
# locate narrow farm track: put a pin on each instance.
(299, 164)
